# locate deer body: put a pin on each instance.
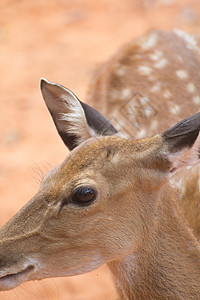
(150, 83)
(110, 202)
(147, 86)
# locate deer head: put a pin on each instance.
(99, 204)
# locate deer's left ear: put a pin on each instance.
(74, 120)
(183, 142)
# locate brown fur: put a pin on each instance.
(168, 104)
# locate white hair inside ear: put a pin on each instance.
(74, 119)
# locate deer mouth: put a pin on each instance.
(11, 280)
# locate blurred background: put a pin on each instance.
(64, 41)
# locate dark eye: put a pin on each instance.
(83, 195)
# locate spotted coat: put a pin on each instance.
(150, 84)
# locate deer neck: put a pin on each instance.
(166, 265)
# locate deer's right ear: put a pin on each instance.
(183, 142)
(74, 120)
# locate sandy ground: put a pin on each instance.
(64, 41)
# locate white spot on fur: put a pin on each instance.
(155, 88)
(148, 111)
(188, 167)
(125, 93)
(156, 55)
(141, 133)
(120, 71)
(150, 42)
(196, 100)
(191, 88)
(144, 70)
(144, 100)
(175, 109)
(188, 38)
(182, 74)
(161, 64)
(154, 125)
(167, 94)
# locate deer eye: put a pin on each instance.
(84, 195)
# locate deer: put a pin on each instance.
(148, 85)
(111, 200)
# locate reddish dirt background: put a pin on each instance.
(64, 41)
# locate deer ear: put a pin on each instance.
(183, 142)
(74, 120)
